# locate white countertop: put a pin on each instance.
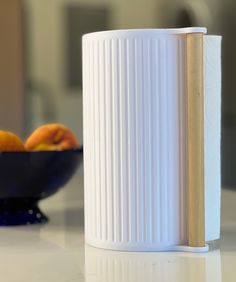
(56, 251)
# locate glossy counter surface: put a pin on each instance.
(56, 251)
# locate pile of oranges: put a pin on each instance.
(50, 137)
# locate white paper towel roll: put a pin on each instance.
(135, 138)
(212, 81)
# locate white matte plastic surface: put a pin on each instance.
(121, 33)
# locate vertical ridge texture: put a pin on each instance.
(134, 119)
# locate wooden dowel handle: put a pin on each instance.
(195, 137)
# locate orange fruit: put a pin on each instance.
(51, 137)
(10, 142)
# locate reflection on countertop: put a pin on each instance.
(134, 267)
(56, 251)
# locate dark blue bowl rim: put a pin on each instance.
(75, 150)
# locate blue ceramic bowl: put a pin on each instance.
(27, 177)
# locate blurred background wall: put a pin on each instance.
(49, 26)
(12, 110)
(52, 32)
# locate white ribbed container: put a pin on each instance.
(134, 95)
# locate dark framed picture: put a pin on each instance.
(81, 19)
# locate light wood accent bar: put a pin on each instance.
(195, 133)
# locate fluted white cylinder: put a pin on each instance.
(134, 101)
